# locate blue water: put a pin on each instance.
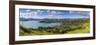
(36, 24)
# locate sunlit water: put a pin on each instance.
(36, 24)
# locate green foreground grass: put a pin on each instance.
(85, 30)
(73, 27)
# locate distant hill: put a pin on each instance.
(48, 20)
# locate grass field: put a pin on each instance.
(66, 27)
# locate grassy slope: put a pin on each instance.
(85, 30)
(73, 29)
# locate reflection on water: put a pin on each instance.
(36, 24)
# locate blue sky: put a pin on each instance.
(48, 13)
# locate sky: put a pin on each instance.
(50, 13)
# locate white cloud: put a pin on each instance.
(28, 10)
(53, 12)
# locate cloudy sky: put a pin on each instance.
(48, 13)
